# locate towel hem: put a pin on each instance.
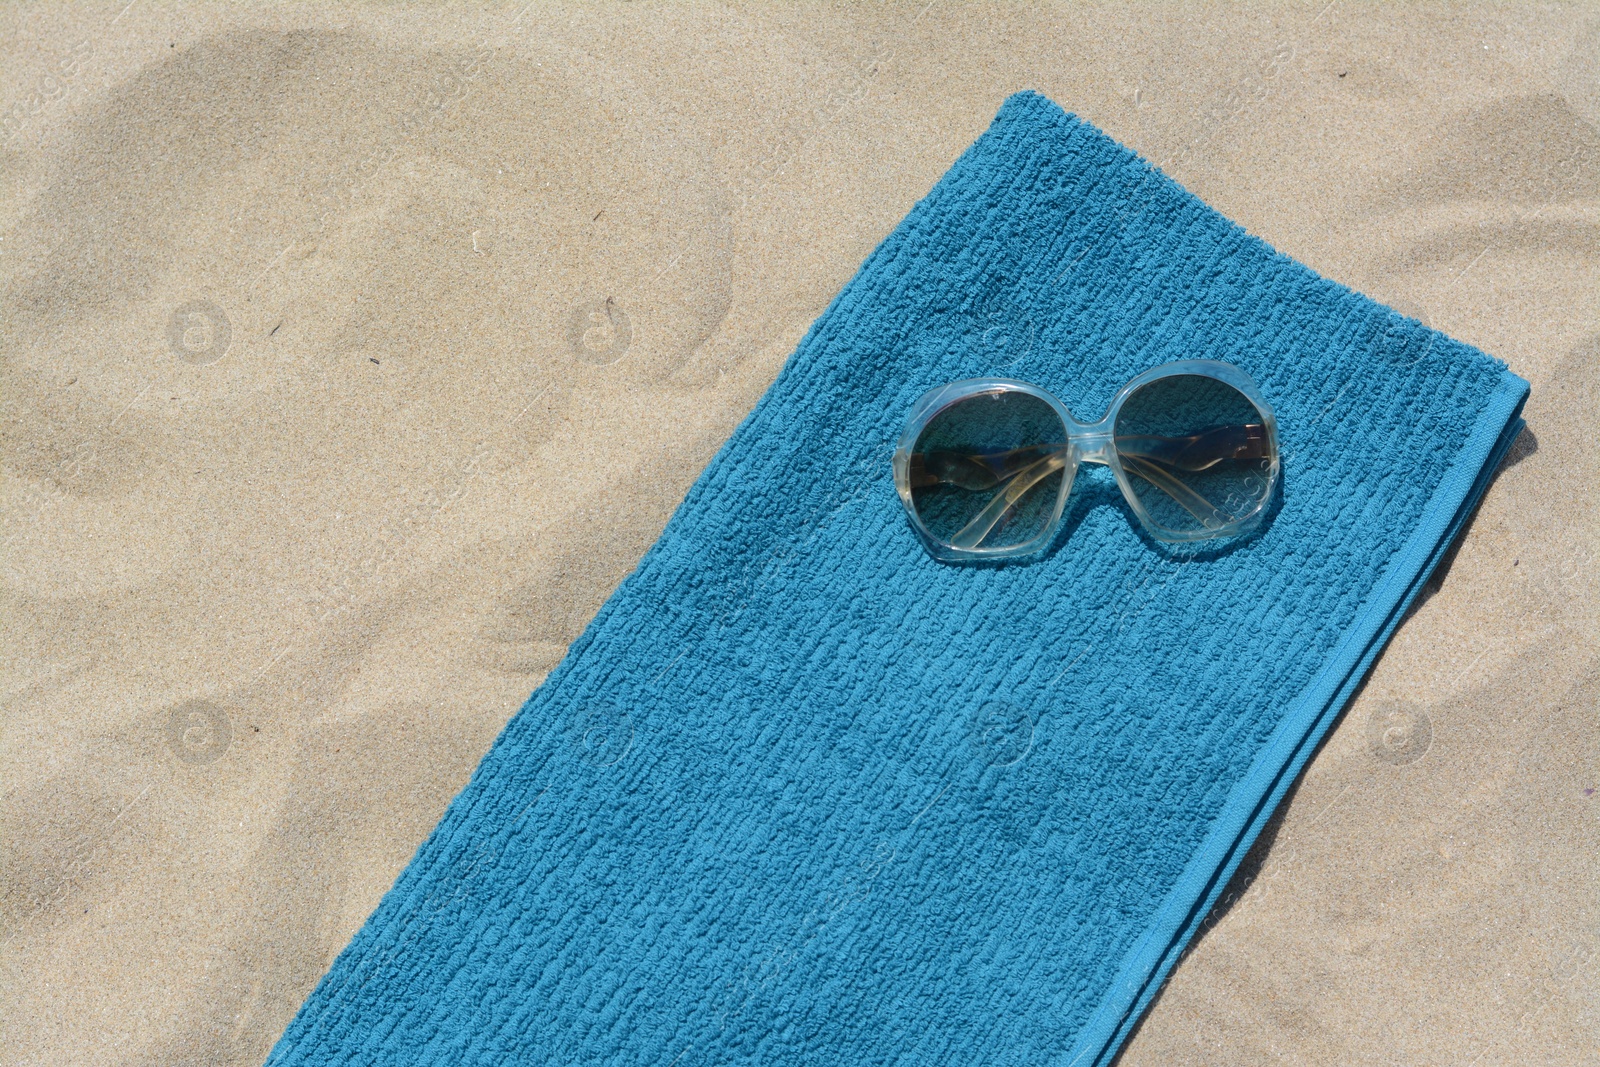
(1253, 801)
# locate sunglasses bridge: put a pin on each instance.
(1095, 445)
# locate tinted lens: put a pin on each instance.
(1196, 451)
(986, 471)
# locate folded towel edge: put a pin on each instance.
(1253, 801)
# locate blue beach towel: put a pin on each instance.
(802, 795)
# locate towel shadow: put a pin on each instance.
(1244, 876)
(1524, 446)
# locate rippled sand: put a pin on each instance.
(352, 356)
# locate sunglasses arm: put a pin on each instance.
(973, 533)
(1146, 462)
(1193, 502)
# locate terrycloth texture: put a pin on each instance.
(802, 795)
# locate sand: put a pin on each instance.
(352, 356)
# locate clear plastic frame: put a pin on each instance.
(984, 467)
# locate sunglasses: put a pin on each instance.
(984, 467)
